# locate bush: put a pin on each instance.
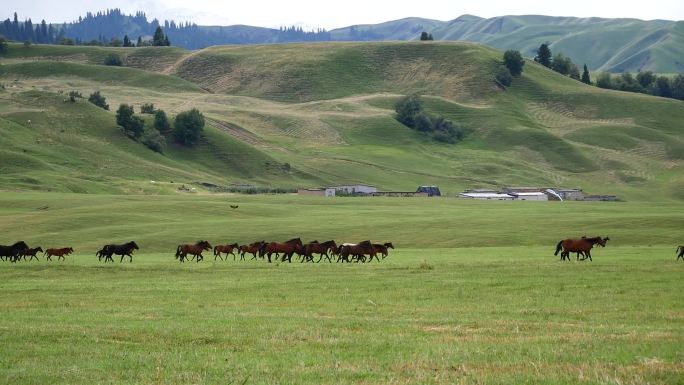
(98, 100)
(407, 109)
(113, 60)
(154, 141)
(503, 76)
(161, 122)
(75, 94)
(132, 125)
(147, 108)
(188, 127)
(514, 61)
(410, 110)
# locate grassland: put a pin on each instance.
(471, 295)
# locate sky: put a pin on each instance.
(330, 15)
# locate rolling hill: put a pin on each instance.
(315, 114)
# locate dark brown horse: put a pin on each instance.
(31, 253)
(123, 250)
(356, 250)
(288, 248)
(383, 249)
(252, 248)
(582, 245)
(320, 248)
(12, 252)
(196, 250)
(680, 250)
(228, 249)
(59, 253)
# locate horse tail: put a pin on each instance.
(559, 247)
(178, 251)
(679, 248)
(216, 250)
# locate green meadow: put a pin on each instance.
(472, 293)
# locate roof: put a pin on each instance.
(485, 195)
(527, 194)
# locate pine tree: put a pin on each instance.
(127, 41)
(139, 41)
(543, 55)
(158, 38)
(585, 75)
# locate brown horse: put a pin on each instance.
(228, 249)
(288, 248)
(31, 253)
(680, 250)
(320, 248)
(383, 249)
(59, 253)
(583, 245)
(196, 250)
(358, 251)
(252, 248)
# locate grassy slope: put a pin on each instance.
(327, 110)
(441, 309)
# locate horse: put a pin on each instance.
(196, 250)
(358, 250)
(321, 248)
(383, 249)
(228, 249)
(287, 248)
(31, 253)
(583, 245)
(252, 248)
(680, 250)
(59, 253)
(122, 250)
(12, 252)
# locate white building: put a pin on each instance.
(486, 196)
(530, 196)
(355, 189)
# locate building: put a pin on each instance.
(602, 198)
(406, 194)
(356, 189)
(511, 190)
(570, 194)
(323, 192)
(530, 196)
(486, 196)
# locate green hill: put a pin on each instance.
(316, 114)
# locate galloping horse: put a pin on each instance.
(680, 250)
(31, 253)
(320, 248)
(12, 252)
(59, 253)
(228, 249)
(582, 245)
(358, 250)
(196, 250)
(252, 248)
(383, 249)
(287, 248)
(122, 250)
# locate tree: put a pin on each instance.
(585, 75)
(147, 108)
(161, 122)
(604, 80)
(430, 37)
(139, 41)
(98, 100)
(645, 79)
(127, 42)
(132, 125)
(159, 39)
(188, 127)
(677, 87)
(663, 87)
(407, 109)
(3, 46)
(514, 61)
(503, 76)
(124, 115)
(574, 71)
(561, 64)
(115, 42)
(544, 55)
(424, 36)
(154, 141)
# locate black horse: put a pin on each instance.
(123, 250)
(680, 250)
(13, 252)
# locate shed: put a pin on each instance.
(530, 196)
(487, 196)
(359, 189)
(431, 191)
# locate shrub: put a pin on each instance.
(98, 100)
(514, 61)
(161, 122)
(75, 94)
(147, 108)
(503, 76)
(113, 60)
(132, 125)
(188, 127)
(410, 113)
(154, 140)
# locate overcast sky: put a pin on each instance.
(307, 13)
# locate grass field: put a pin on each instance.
(471, 295)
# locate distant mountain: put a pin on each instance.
(612, 45)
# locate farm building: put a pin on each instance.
(323, 192)
(530, 196)
(570, 194)
(355, 189)
(511, 190)
(431, 191)
(486, 196)
(602, 198)
(406, 194)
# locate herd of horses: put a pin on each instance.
(364, 251)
